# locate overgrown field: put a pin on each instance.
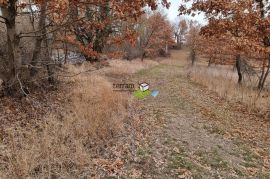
(200, 125)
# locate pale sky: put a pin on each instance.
(173, 12)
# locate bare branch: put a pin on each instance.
(54, 30)
(21, 85)
(2, 17)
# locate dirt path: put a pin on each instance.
(195, 134)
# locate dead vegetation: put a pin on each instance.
(120, 67)
(85, 129)
(61, 144)
(188, 118)
(222, 80)
(84, 136)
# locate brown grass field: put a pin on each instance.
(202, 125)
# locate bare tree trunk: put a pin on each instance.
(193, 56)
(145, 45)
(178, 41)
(66, 49)
(50, 74)
(143, 56)
(209, 61)
(238, 68)
(37, 50)
(31, 16)
(266, 41)
(39, 39)
(264, 74)
(49, 66)
(13, 62)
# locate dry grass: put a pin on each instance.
(93, 98)
(61, 145)
(223, 80)
(116, 68)
(178, 58)
(123, 67)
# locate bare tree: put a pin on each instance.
(180, 30)
(192, 40)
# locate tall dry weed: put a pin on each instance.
(223, 81)
(63, 145)
(123, 67)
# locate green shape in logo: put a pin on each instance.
(142, 94)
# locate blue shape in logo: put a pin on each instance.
(155, 93)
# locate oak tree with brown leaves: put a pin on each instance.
(86, 25)
(244, 24)
(156, 35)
